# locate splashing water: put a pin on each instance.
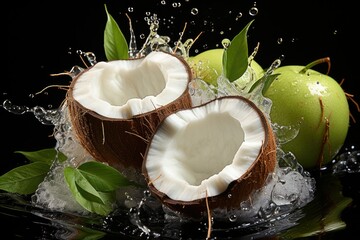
(46, 117)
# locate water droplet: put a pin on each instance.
(286, 133)
(76, 70)
(194, 11)
(253, 11)
(245, 206)
(91, 58)
(232, 218)
(10, 107)
(130, 9)
(238, 16)
(133, 210)
(280, 40)
(225, 42)
(347, 162)
(147, 193)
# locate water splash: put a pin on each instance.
(53, 193)
(285, 134)
(88, 58)
(45, 116)
(133, 51)
(156, 42)
(201, 92)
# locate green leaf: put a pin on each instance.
(235, 57)
(102, 177)
(82, 196)
(47, 155)
(115, 44)
(88, 191)
(24, 179)
(101, 209)
(93, 185)
(267, 80)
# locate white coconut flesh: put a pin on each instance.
(198, 152)
(126, 88)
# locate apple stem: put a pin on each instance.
(316, 62)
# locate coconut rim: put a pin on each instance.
(71, 98)
(166, 198)
(93, 130)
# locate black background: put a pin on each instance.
(42, 37)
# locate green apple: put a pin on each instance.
(314, 102)
(208, 65)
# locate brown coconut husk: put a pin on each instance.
(120, 142)
(240, 190)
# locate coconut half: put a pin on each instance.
(116, 106)
(219, 152)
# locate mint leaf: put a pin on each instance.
(24, 179)
(235, 57)
(115, 44)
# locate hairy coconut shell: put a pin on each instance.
(120, 142)
(238, 191)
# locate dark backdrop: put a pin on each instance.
(42, 37)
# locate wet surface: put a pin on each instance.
(333, 212)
